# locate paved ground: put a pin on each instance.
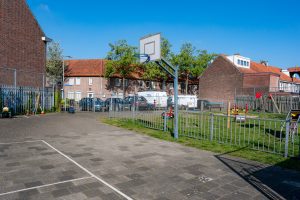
(76, 157)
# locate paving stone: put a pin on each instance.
(13, 164)
(33, 184)
(45, 167)
(60, 192)
(134, 176)
(96, 159)
(93, 193)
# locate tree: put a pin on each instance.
(152, 70)
(203, 59)
(54, 69)
(121, 60)
(54, 62)
(186, 61)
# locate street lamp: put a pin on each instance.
(63, 89)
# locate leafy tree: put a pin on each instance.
(186, 61)
(152, 70)
(121, 60)
(54, 62)
(54, 69)
(203, 59)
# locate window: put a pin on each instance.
(71, 81)
(90, 81)
(90, 94)
(77, 81)
(148, 84)
(153, 85)
(117, 82)
(70, 95)
(77, 96)
(239, 61)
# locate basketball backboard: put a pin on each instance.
(150, 46)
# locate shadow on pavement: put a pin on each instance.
(272, 181)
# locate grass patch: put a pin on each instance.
(216, 147)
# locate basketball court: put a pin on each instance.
(64, 156)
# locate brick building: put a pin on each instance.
(22, 45)
(85, 78)
(229, 76)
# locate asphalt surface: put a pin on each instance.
(75, 156)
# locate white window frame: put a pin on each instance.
(77, 98)
(90, 81)
(92, 94)
(71, 81)
(71, 95)
(77, 82)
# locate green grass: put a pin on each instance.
(267, 158)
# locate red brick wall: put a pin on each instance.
(21, 45)
(256, 80)
(219, 80)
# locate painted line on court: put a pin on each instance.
(29, 141)
(46, 185)
(90, 173)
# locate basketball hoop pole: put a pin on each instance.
(150, 48)
(173, 71)
(176, 103)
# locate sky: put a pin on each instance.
(259, 29)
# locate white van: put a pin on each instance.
(189, 101)
(159, 98)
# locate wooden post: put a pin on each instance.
(275, 104)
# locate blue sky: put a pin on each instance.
(259, 29)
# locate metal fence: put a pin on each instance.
(26, 100)
(267, 135)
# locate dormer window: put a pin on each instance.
(240, 61)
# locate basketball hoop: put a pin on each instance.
(144, 58)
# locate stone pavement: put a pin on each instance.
(138, 166)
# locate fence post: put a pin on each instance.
(287, 133)
(211, 127)
(15, 91)
(43, 93)
(165, 120)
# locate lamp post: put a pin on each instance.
(63, 89)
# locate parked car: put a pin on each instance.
(98, 105)
(137, 102)
(116, 103)
(91, 104)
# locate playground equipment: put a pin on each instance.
(240, 114)
(168, 115)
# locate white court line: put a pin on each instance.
(41, 186)
(90, 173)
(20, 142)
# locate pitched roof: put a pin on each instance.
(84, 68)
(261, 68)
(294, 69)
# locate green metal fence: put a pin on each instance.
(22, 100)
(267, 135)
